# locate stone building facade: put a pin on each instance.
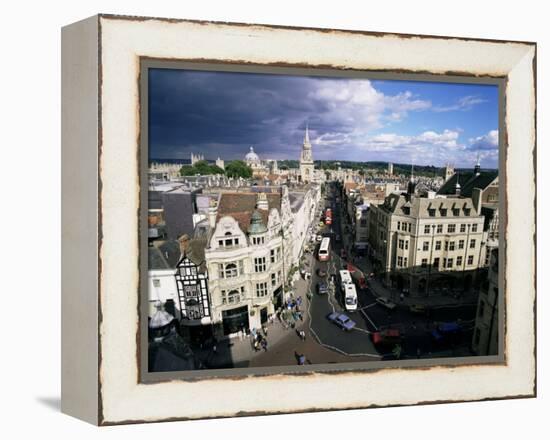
(425, 244)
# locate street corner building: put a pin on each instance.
(428, 242)
(237, 252)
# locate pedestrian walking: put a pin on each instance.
(301, 359)
(214, 349)
(264, 344)
(264, 329)
(303, 335)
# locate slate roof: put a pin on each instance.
(468, 181)
(241, 205)
(420, 206)
(168, 254)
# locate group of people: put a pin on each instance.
(291, 313)
(259, 340)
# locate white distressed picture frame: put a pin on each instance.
(101, 201)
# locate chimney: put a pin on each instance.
(184, 243)
(212, 213)
(476, 199)
(261, 202)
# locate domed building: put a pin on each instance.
(252, 159)
(254, 162)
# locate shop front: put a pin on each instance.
(235, 319)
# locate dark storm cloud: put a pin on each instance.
(223, 114)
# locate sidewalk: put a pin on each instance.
(238, 351)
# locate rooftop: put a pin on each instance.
(467, 182)
(241, 205)
(419, 207)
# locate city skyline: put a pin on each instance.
(221, 114)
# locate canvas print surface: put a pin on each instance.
(309, 220)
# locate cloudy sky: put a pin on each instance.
(223, 114)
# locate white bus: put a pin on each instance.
(345, 278)
(348, 289)
(350, 297)
(324, 249)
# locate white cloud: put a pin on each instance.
(358, 104)
(463, 104)
(428, 147)
(488, 141)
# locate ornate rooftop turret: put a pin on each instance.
(257, 224)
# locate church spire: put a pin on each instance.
(306, 137)
(477, 168)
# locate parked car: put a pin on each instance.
(338, 238)
(319, 238)
(446, 332)
(389, 336)
(419, 309)
(322, 288)
(322, 272)
(388, 304)
(341, 320)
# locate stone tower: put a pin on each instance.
(306, 160)
(449, 171)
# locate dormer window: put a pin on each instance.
(443, 212)
(467, 211)
(228, 241)
(406, 210)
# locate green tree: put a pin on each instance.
(187, 170)
(201, 167)
(238, 168)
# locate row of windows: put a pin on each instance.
(404, 226)
(235, 296)
(451, 229)
(258, 240)
(448, 262)
(234, 241)
(449, 245)
(259, 264)
(443, 212)
(233, 270)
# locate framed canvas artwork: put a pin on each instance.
(262, 219)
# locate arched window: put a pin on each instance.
(231, 270)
